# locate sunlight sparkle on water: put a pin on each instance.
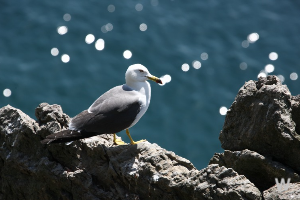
(269, 68)
(223, 110)
(165, 79)
(143, 27)
(62, 30)
(7, 92)
(243, 66)
(262, 74)
(245, 44)
(273, 56)
(196, 64)
(67, 17)
(204, 56)
(127, 54)
(293, 76)
(139, 7)
(54, 51)
(90, 38)
(99, 45)
(111, 8)
(109, 27)
(103, 29)
(281, 78)
(253, 37)
(185, 67)
(65, 58)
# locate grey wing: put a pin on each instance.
(112, 112)
(117, 97)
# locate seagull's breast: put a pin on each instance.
(144, 98)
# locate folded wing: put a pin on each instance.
(112, 112)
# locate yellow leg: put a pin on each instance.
(131, 140)
(118, 141)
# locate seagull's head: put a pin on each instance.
(139, 73)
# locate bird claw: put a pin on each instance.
(119, 142)
(133, 142)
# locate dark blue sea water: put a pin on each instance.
(184, 114)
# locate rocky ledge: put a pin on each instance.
(259, 137)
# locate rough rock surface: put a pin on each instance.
(263, 118)
(293, 193)
(261, 137)
(259, 169)
(95, 168)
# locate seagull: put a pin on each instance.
(118, 109)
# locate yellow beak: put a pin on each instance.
(154, 78)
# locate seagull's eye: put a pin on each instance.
(141, 70)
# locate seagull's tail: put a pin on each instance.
(66, 136)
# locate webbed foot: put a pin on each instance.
(118, 141)
(131, 140)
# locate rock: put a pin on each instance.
(51, 113)
(264, 118)
(296, 111)
(259, 169)
(223, 183)
(293, 192)
(260, 138)
(51, 118)
(95, 168)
